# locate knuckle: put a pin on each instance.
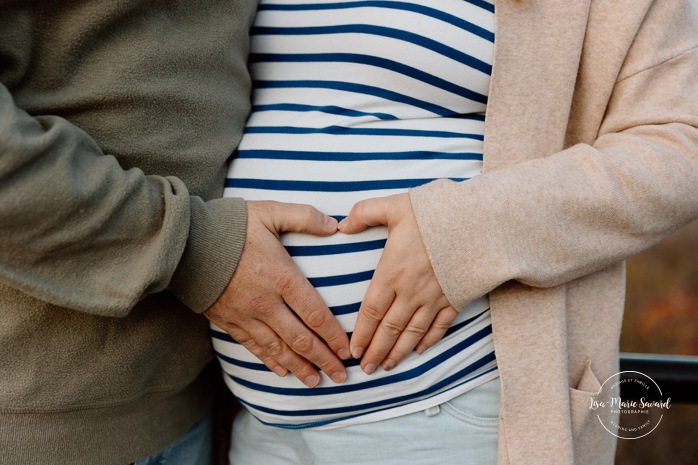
(415, 331)
(371, 313)
(391, 329)
(274, 348)
(302, 344)
(329, 365)
(243, 338)
(316, 319)
(441, 325)
(301, 218)
(298, 368)
(308, 212)
(359, 209)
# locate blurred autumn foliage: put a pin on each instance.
(661, 317)
(661, 311)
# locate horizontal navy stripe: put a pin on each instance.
(356, 89)
(431, 12)
(335, 110)
(345, 309)
(405, 36)
(338, 280)
(379, 62)
(387, 402)
(391, 379)
(327, 186)
(329, 109)
(462, 324)
(392, 402)
(328, 422)
(355, 156)
(333, 249)
(347, 417)
(242, 363)
(469, 116)
(340, 130)
(221, 336)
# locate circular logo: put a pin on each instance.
(639, 413)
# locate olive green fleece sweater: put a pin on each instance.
(116, 121)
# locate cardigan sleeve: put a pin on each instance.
(79, 231)
(551, 220)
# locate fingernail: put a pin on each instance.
(344, 353)
(330, 223)
(281, 372)
(389, 365)
(312, 380)
(357, 352)
(339, 376)
(421, 348)
(370, 368)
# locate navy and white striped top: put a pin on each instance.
(355, 99)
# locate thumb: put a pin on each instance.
(371, 212)
(291, 217)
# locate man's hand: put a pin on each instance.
(270, 307)
(404, 304)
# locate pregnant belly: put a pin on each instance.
(340, 267)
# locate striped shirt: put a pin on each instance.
(357, 99)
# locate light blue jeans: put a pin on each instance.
(461, 431)
(194, 448)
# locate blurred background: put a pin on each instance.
(661, 317)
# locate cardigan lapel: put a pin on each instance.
(537, 52)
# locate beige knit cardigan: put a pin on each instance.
(591, 155)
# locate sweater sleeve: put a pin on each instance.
(79, 231)
(551, 220)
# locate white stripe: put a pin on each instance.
(361, 144)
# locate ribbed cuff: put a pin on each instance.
(214, 245)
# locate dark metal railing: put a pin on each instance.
(676, 376)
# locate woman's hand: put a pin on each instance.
(404, 306)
